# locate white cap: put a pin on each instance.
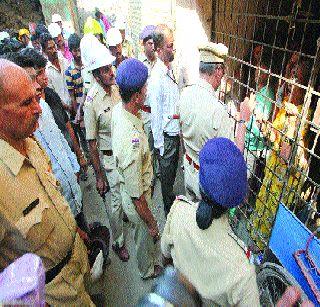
(213, 53)
(113, 37)
(94, 54)
(54, 29)
(4, 35)
(56, 18)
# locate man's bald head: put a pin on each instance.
(12, 77)
(164, 43)
(161, 32)
(19, 107)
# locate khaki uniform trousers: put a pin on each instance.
(145, 247)
(115, 213)
(191, 181)
(68, 287)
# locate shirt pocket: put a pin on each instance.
(33, 226)
(105, 119)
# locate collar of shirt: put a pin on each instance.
(145, 60)
(161, 67)
(11, 157)
(135, 120)
(61, 62)
(206, 85)
(100, 92)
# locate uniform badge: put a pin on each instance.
(89, 99)
(135, 142)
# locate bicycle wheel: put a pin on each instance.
(272, 281)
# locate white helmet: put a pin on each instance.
(4, 35)
(56, 18)
(94, 54)
(54, 29)
(113, 37)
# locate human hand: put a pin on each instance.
(102, 187)
(247, 106)
(291, 298)
(83, 164)
(154, 231)
(285, 151)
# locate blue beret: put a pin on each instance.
(223, 172)
(147, 31)
(131, 75)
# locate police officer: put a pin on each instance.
(202, 115)
(131, 150)
(31, 205)
(199, 238)
(101, 99)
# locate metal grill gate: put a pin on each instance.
(283, 34)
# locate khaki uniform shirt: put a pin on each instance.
(97, 114)
(212, 260)
(131, 150)
(202, 117)
(38, 219)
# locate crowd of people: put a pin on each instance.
(70, 101)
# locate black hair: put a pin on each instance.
(74, 41)
(10, 45)
(207, 211)
(127, 95)
(158, 39)
(147, 38)
(44, 39)
(40, 29)
(97, 14)
(34, 37)
(30, 55)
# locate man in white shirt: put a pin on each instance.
(149, 59)
(55, 69)
(163, 95)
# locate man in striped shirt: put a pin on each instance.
(75, 87)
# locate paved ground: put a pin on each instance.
(121, 282)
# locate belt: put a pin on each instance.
(107, 152)
(191, 162)
(170, 136)
(146, 109)
(174, 116)
(53, 272)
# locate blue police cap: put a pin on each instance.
(131, 75)
(147, 31)
(223, 172)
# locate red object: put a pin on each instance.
(146, 109)
(312, 266)
(176, 116)
(191, 162)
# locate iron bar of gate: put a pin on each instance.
(303, 119)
